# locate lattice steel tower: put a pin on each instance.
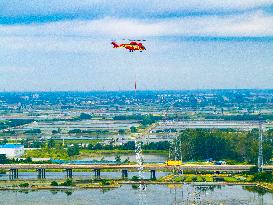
(260, 154)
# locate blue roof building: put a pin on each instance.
(12, 150)
(11, 146)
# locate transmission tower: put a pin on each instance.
(260, 154)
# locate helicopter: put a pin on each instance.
(133, 45)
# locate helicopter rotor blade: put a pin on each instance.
(124, 39)
(136, 40)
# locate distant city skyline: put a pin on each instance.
(65, 45)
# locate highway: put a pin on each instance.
(210, 124)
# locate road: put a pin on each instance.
(210, 124)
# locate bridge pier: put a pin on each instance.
(153, 177)
(69, 173)
(124, 173)
(13, 174)
(97, 173)
(41, 173)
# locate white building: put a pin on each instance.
(12, 150)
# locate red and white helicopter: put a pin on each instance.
(133, 45)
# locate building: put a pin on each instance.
(12, 150)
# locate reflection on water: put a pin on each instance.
(131, 157)
(155, 194)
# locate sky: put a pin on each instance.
(64, 45)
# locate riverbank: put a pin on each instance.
(266, 186)
(114, 185)
(170, 180)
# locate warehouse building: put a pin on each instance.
(12, 150)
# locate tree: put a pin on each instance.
(36, 144)
(33, 131)
(108, 147)
(90, 147)
(68, 182)
(74, 131)
(54, 183)
(161, 145)
(263, 177)
(74, 150)
(128, 145)
(147, 120)
(4, 141)
(117, 158)
(133, 129)
(3, 159)
(242, 146)
(51, 143)
(98, 146)
(121, 131)
(85, 116)
(28, 160)
(54, 132)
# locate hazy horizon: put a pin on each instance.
(140, 91)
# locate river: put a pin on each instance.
(148, 158)
(187, 194)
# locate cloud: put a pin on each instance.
(14, 69)
(52, 44)
(255, 24)
(89, 36)
(74, 9)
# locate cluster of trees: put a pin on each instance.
(32, 143)
(201, 144)
(133, 129)
(85, 116)
(4, 141)
(245, 117)
(77, 131)
(14, 123)
(55, 150)
(33, 131)
(144, 119)
(5, 160)
(162, 145)
(73, 150)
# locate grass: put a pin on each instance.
(100, 152)
(116, 151)
(62, 153)
(47, 153)
(186, 178)
(85, 141)
(230, 179)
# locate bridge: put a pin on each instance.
(41, 168)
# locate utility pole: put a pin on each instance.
(260, 154)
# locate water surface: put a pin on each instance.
(154, 194)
